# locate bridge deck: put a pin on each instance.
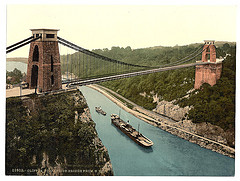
(132, 74)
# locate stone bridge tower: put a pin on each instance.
(211, 71)
(44, 68)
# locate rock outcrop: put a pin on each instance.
(171, 110)
(54, 135)
(204, 129)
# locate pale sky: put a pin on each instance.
(138, 26)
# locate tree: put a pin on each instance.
(14, 77)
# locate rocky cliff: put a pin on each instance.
(53, 135)
(204, 129)
(171, 110)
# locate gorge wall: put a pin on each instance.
(53, 135)
(203, 129)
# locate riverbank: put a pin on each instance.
(165, 123)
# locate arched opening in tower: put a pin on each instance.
(34, 77)
(51, 63)
(207, 54)
(52, 79)
(35, 54)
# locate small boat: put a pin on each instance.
(131, 132)
(99, 110)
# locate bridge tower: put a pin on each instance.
(211, 71)
(44, 68)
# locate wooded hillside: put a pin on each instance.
(215, 104)
(211, 104)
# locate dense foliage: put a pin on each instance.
(211, 104)
(168, 85)
(51, 128)
(14, 77)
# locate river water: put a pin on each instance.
(11, 65)
(169, 156)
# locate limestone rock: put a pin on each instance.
(171, 110)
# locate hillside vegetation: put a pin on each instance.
(14, 77)
(57, 126)
(210, 104)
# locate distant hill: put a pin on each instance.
(217, 43)
(18, 59)
(221, 43)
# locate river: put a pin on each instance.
(169, 156)
(11, 65)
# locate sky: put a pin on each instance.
(138, 26)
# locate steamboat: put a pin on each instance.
(130, 131)
(100, 111)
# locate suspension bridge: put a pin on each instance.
(89, 67)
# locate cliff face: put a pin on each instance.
(171, 110)
(53, 135)
(204, 129)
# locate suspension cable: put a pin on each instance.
(191, 57)
(97, 55)
(67, 60)
(186, 56)
(85, 51)
(19, 42)
(218, 51)
(75, 47)
(19, 46)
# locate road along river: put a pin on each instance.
(169, 156)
